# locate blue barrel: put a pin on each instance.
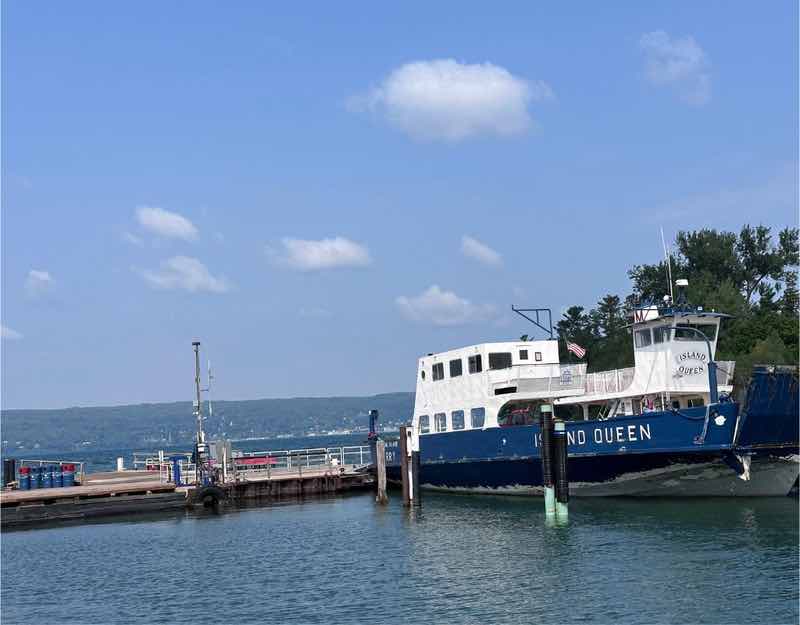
(47, 476)
(24, 478)
(68, 471)
(36, 478)
(58, 476)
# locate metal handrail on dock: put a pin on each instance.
(261, 465)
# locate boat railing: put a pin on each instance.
(614, 381)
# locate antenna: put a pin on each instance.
(210, 377)
(668, 258)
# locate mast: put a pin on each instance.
(198, 405)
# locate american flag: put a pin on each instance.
(576, 349)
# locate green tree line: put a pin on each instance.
(751, 275)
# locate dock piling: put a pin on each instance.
(546, 427)
(404, 447)
(561, 477)
(380, 467)
(415, 496)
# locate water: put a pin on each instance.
(473, 559)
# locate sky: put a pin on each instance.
(321, 193)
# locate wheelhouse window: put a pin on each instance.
(424, 424)
(457, 419)
(685, 331)
(537, 356)
(474, 364)
(642, 338)
(438, 371)
(500, 360)
(661, 334)
(523, 354)
(455, 368)
(477, 417)
(440, 422)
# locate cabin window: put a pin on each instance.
(684, 333)
(520, 413)
(500, 360)
(661, 334)
(440, 422)
(477, 416)
(455, 368)
(424, 424)
(422, 374)
(642, 338)
(523, 354)
(695, 402)
(457, 418)
(474, 364)
(537, 356)
(438, 371)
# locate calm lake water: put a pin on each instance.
(474, 559)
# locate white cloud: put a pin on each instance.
(306, 255)
(677, 63)
(447, 100)
(186, 273)
(38, 282)
(480, 251)
(8, 333)
(442, 308)
(166, 223)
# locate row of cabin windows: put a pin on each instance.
(497, 360)
(683, 332)
(477, 417)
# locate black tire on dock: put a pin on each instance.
(209, 496)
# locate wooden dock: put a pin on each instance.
(103, 495)
(135, 492)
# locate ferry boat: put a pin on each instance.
(668, 426)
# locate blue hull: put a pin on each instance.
(653, 454)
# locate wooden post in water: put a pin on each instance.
(403, 447)
(415, 497)
(380, 469)
(546, 454)
(561, 478)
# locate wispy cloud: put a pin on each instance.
(446, 100)
(443, 308)
(165, 223)
(678, 63)
(309, 255)
(132, 239)
(776, 193)
(481, 252)
(314, 312)
(184, 273)
(38, 282)
(9, 334)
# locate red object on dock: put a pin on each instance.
(256, 460)
(24, 470)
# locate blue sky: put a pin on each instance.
(323, 193)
